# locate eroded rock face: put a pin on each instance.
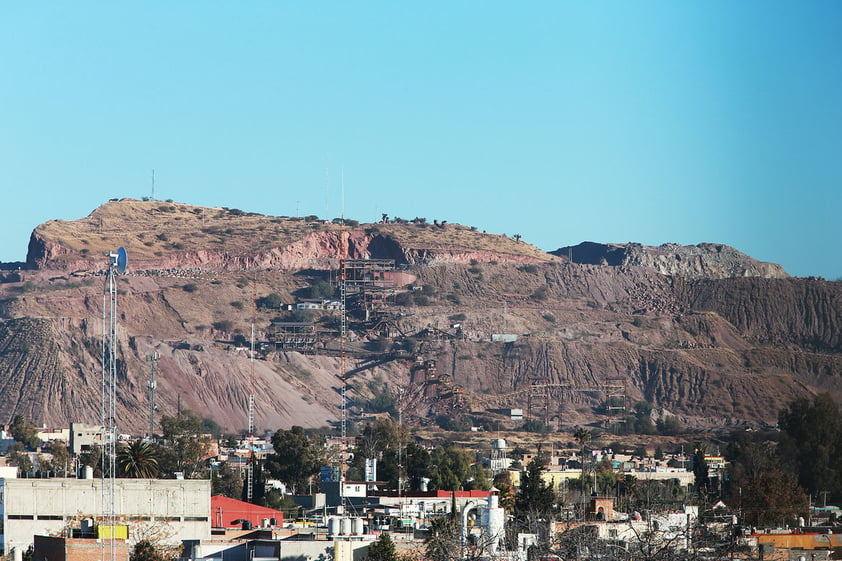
(163, 236)
(702, 261)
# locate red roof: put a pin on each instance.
(230, 513)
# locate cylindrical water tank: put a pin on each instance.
(498, 443)
(358, 526)
(344, 526)
(332, 526)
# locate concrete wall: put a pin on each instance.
(170, 509)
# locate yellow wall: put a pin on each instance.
(801, 541)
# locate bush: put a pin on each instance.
(637, 322)
(540, 293)
(190, 287)
(223, 325)
(457, 317)
(404, 299)
(382, 403)
(548, 317)
(456, 424)
(321, 289)
(271, 302)
(535, 425)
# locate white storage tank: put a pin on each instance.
(358, 526)
(344, 526)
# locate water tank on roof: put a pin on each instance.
(344, 526)
(332, 525)
(498, 444)
(358, 526)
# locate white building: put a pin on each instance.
(173, 509)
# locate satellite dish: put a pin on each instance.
(121, 260)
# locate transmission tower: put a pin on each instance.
(250, 440)
(116, 265)
(152, 359)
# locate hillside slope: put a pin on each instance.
(715, 351)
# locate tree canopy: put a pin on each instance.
(296, 459)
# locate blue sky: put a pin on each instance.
(642, 121)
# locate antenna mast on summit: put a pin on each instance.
(327, 186)
(342, 182)
(153, 184)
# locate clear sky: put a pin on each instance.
(654, 122)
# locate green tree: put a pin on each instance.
(189, 446)
(137, 460)
(258, 487)
(296, 458)
(452, 469)
(285, 503)
(321, 289)
(227, 482)
(535, 499)
(382, 549)
(92, 457)
(24, 432)
(811, 442)
(16, 456)
(61, 461)
(271, 302)
(700, 471)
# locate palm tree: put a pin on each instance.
(138, 460)
(583, 437)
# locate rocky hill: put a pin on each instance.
(466, 325)
(702, 261)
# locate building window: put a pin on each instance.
(195, 518)
(21, 517)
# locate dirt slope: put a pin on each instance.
(717, 352)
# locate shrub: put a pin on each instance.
(223, 325)
(540, 293)
(321, 289)
(457, 317)
(637, 322)
(237, 305)
(548, 317)
(190, 287)
(271, 302)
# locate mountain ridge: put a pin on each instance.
(714, 352)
